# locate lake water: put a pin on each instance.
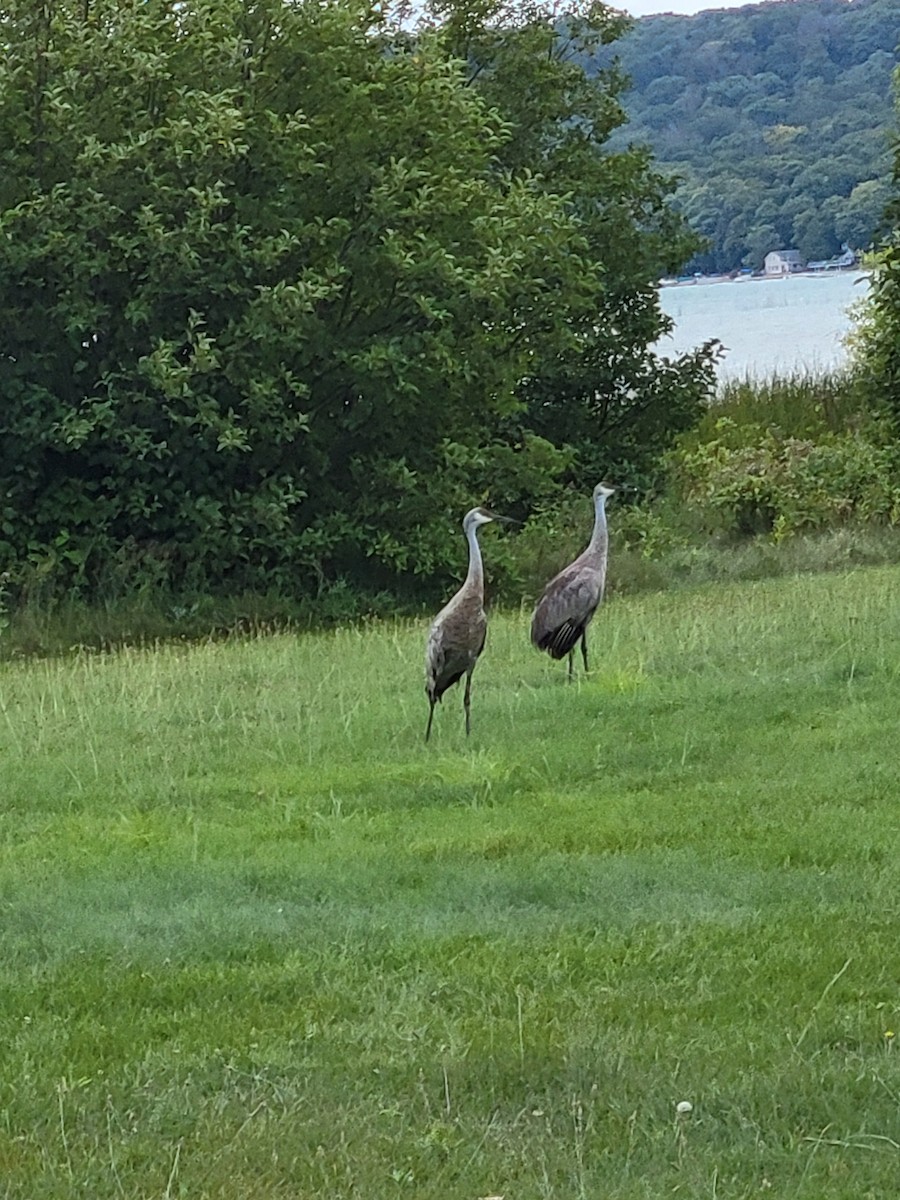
(784, 325)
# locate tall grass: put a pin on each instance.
(258, 940)
(802, 404)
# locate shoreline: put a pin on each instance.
(704, 279)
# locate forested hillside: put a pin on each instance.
(777, 117)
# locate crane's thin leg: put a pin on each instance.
(584, 651)
(571, 664)
(467, 703)
(430, 718)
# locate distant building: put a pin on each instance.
(849, 258)
(782, 262)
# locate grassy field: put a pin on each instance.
(258, 940)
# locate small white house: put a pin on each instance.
(782, 262)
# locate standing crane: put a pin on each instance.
(571, 598)
(457, 633)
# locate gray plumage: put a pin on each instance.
(571, 598)
(457, 634)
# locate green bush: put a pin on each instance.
(272, 278)
(750, 479)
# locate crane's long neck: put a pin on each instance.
(599, 542)
(475, 575)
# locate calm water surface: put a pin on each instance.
(769, 326)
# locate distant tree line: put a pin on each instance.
(774, 116)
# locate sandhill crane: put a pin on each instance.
(457, 633)
(570, 599)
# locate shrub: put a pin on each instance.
(749, 479)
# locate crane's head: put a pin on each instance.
(602, 490)
(478, 516)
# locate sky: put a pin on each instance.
(646, 8)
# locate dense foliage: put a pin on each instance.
(604, 394)
(774, 116)
(274, 275)
(879, 342)
(755, 479)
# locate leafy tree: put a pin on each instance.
(759, 243)
(858, 218)
(260, 276)
(609, 396)
(878, 353)
(665, 90)
(813, 235)
(279, 280)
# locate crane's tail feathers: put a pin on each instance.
(560, 641)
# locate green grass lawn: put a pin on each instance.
(258, 940)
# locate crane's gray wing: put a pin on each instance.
(565, 609)
(455, 640)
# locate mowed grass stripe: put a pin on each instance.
(258, 940)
